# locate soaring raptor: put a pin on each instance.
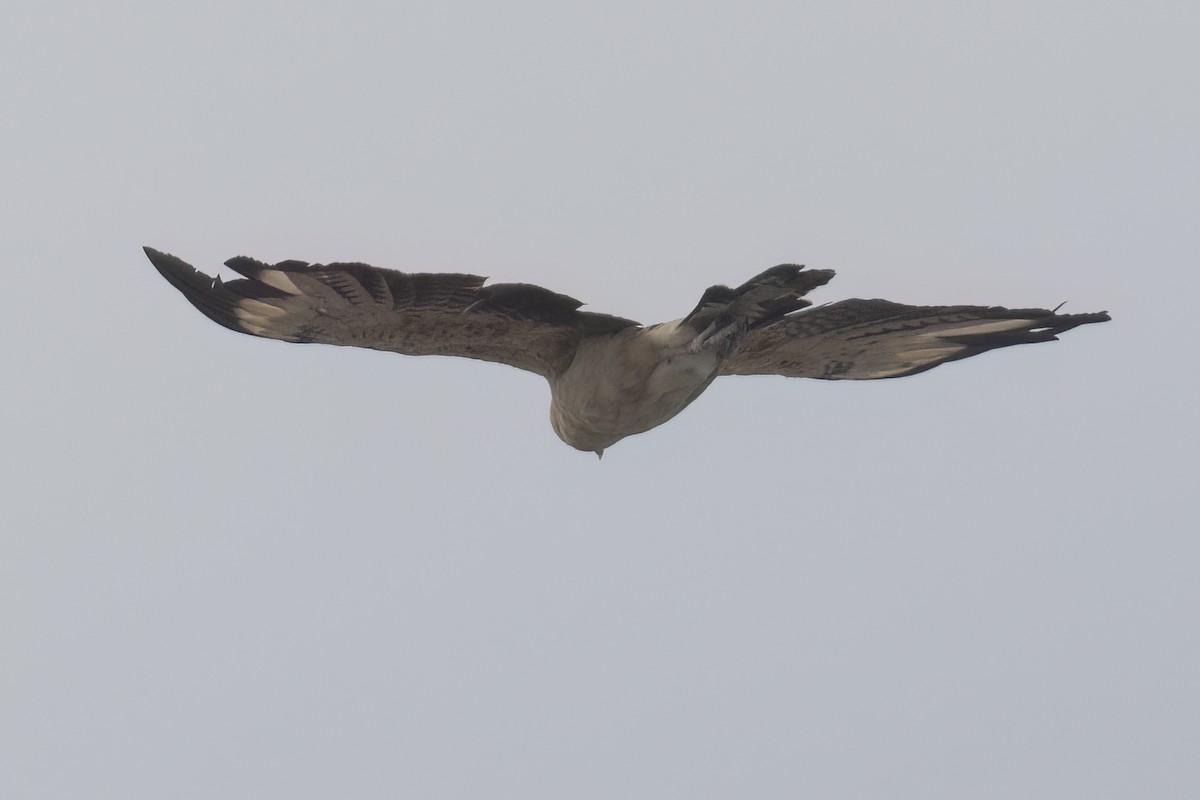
(609, 377)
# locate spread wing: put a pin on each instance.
(416, 314)
(863, 339)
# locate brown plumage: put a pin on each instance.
(609, 377)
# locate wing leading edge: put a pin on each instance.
(358, 305)
(868, 339)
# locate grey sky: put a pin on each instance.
(235, 568)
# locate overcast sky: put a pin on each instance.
(235, 568)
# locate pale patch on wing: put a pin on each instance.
(278, 279)
(258, 308)
(923, 354)
(975, 328)
(251, 327)
(252, 323)
(276, 318)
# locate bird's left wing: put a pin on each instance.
(447, 314)
(865, 339)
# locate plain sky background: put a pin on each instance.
(239, 569)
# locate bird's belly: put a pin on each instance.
(592, 409)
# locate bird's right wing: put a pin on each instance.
(358, 305)
(865, 339)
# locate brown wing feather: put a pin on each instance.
(865, 339)
(358, 305)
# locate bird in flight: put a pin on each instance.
(609, 377)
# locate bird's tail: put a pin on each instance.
(724, 315)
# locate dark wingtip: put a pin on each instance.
(179, 273)
(252, 267)
(787, 273)
(158, 258)
(1065, 322)
(1044, 326)
(202, 291)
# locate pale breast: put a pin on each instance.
(625, 384)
